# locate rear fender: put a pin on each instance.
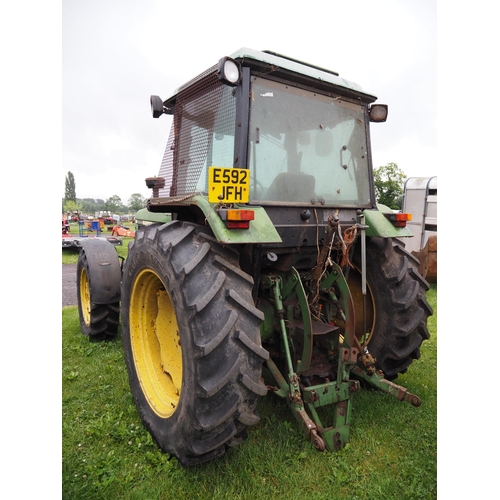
(261, 229)
(105, 273)
(380, 226)
(145, 215)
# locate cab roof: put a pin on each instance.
(278, 64)
(295, 66)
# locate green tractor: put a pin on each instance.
(263, 262)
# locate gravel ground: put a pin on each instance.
(69, 285)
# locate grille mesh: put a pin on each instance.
(196, 112)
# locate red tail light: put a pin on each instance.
(398, 219)
(236, 218)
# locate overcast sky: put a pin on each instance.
(116, 53)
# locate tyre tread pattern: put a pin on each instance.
(401, 305)
(213, 297)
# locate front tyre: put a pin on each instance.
(99, 321)
(191, 335)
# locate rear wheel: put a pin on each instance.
(98, 321)
(396, 304)
(192, 340)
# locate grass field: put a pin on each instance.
(107, 454)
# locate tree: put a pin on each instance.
(136, 202)
(389, 185)
(90, 206)
(70, 188)
(71, 206)
(114, 204)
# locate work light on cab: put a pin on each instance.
(236, 218)
(229, 71)
(378, 112)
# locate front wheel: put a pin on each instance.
(396, 308)
(192, 340)
(98, 320)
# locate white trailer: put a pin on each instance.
(420, 199)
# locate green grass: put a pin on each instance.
(107, 454)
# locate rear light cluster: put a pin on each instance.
(236, 219)
(399, 220)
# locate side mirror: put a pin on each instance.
(156, 106)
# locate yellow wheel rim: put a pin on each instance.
(85, 296)
(155, 341)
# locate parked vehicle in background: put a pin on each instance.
(420, 199)
(123, 231)
(65, 226)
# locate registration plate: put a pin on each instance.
(228, 185)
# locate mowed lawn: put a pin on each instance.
(107, 454)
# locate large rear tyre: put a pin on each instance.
(97, 321)
(191, 335)
(396, 305)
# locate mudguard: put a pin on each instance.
(105, 273)
(145, 215)
(380, 226)
(261, 229)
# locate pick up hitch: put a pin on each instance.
(377, 380)
(304, 399)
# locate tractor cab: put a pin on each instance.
(286, 140)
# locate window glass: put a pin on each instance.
(306, 146)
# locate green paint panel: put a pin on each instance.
(379, 225)
(326, 394)
(261, 230)
(145, 215)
